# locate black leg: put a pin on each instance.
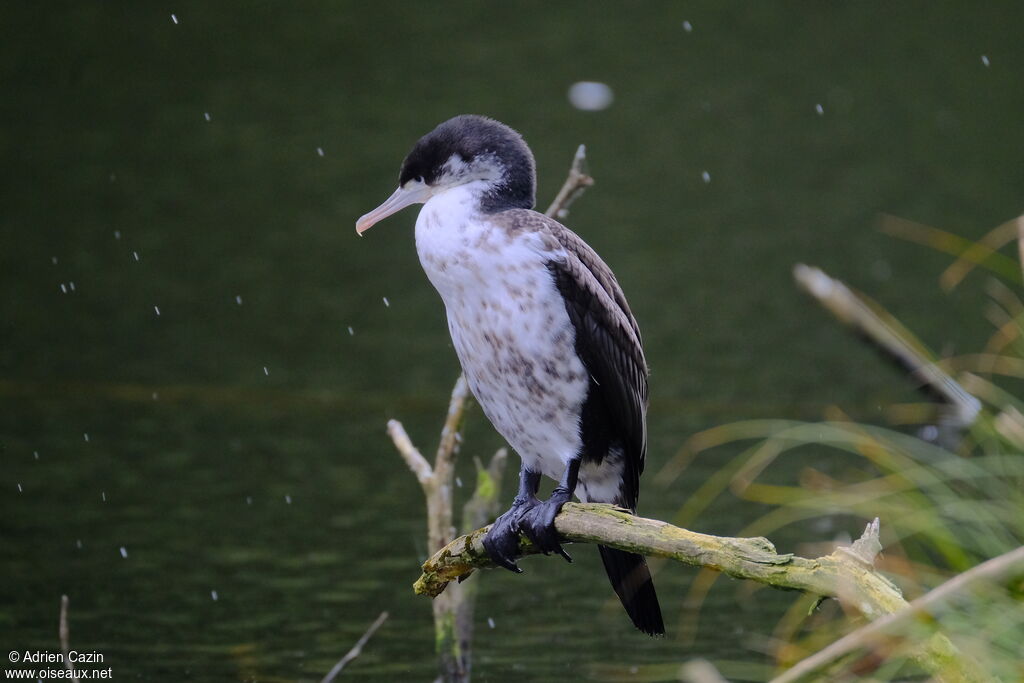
(538, 522)
(502, 540)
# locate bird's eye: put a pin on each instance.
(419, 179)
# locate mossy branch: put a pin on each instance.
(847, 574)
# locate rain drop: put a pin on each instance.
(238, 299)
(103, 496)
(157, 309)
(458, 482)
(320, 151)
(156, 396)
(351, 332)
(248, 500)
(490, 621)
(820, 109)
(687, 26)
(78, 543)
(984, 60)
(135, 255)
(288, 500)
(206, 115)
(53, 260)
(266, 371)
(35, 454)
(590, 95)
(174, 18)
(86, 435)
(387, 303)
(124, 552)
(213, 594)
(117, 234)
(71, 284)
(63, 289)
(705, 176)
(19, 488)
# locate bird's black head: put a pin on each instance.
(469, 148)
(463, 150)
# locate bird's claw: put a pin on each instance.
(538, 523)
(502, 541)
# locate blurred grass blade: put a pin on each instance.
(940, 240)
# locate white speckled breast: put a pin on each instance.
(509, 326)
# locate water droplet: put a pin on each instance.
(387, 303)
(266, 371)
(820, 109)
(71, 284)
(705, 176)
(458, 482)
(19, 488)
(135, 255)
(174, 18)
(984, 60)
(288, 500)
(86, 436)
(238, 299)
(351, 332)
(490, 621)
(590, 95)
(124, 552)
(320, 151)
(63, 289)
(206, 115)
(117, 234)
(157, 309)
(103, 496)
(213, 594)
(687, 26)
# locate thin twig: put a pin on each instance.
(577, 181)
(64, 633)
(994, 570)
(356, 650)
(448, 448)
(413, 458)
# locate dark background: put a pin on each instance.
(239, 448)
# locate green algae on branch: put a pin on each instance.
(750, 558)
(847, 574)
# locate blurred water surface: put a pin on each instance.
(196, 361)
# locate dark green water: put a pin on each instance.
(240, 448)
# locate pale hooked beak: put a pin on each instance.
(415, 193)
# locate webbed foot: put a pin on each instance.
(538, 523)
(502, 540)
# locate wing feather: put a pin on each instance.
(607, 336)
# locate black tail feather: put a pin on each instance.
(632, 583)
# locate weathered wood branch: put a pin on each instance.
(884, 332)
(847, 574)
(996, 571)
